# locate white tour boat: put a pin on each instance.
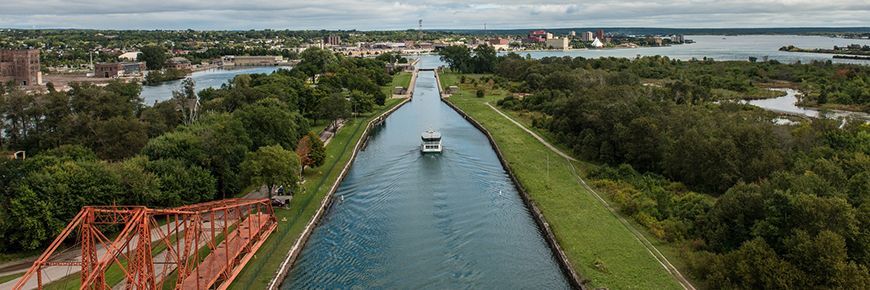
(431, 142)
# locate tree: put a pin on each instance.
(153, 55)
(187, 101)
(268, 122)
(361, 102)
(318, 58)
(485, 59)
(457, 57)
(274, 167)
(333, 108)
(311, 151)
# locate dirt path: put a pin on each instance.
(653, 251)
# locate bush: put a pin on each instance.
(480, 93)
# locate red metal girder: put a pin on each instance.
(140, 226)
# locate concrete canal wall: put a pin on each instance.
(573, 278)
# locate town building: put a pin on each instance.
(21, 66)
(572, 33)
(587, 36)
(558, 43)
(176, 63)
(118, 69)
(677, 38)
(537, 33)
(332, 40)
(132, 56)
(654, 40)
(498, 41)
(599, 34)
(267, 60)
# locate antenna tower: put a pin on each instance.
(420, 31)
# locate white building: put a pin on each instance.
(558, 43)
(129, 55)
(586, 36)
(597, 43)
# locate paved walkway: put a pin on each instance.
(660, 258)
(534, 135)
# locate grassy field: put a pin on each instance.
(260, 269)
(402, 79)
(600, 248)
(7, 278)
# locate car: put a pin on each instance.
(278, 202)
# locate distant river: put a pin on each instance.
(728, 48)
(204, 79)
(711, 46)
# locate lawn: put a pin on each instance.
(262, 267)
(402, 79)
(587, 231)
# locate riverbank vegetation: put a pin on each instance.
(101, 145)
(159, 76)
(852, 49)
(748, 204)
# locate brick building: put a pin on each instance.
(21, 66)
(332, 40)
(117, 69)
(176, 63)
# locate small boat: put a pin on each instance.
(431, 142)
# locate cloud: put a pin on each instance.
(437, 14)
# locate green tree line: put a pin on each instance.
(95, 145)
(752, 204)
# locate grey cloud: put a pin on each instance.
(385, 14)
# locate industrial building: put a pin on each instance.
(266, 60)
(176, 63)
(558, 43)
(21, 66)
(118, 69)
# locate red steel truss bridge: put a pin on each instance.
(199, 246)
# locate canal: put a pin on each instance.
(411, 221)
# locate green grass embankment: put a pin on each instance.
(586, 230)
(402, 79)
(262, 267)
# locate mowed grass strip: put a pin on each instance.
(313, 177)
(402, 79)
(601, 249)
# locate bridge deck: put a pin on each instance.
(210, 269)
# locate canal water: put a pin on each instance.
(405, 220)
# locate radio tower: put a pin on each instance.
(420, 31)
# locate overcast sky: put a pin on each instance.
(436, 14)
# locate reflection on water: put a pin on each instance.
(788, 103)
(405, 220)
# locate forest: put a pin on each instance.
(96, 145)
(751, 203)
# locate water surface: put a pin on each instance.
(405, 220)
